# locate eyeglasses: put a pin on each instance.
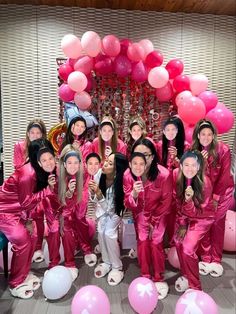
(147, 156)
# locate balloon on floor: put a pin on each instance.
(230, 231)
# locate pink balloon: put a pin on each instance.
(91, 43)
(191, 110)
(124, 45)
(173, 257)
(165, 93)
(71, 46)
(77, 81)
(136, 52)
(84, 64)
(210, 99)
(182, 97)
(154, 59)
(92, 227)
(122, 66)
(66, 93)
(181, 83)
(103, 65)
(147, 46)
(189, 133)
(111, 45)
(222, 117)
(82, 100)
(139, 72)
(196, 301)
(64, 71)
(90, 299)
(142, 295)
(174, 67)
(230, 231)
(158, 77)
(198, 83)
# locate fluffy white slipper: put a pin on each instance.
(101, 270)
(162, 289)
(38, 256)
(133, 253)
(33, 281)
(115, 276)
(181, 284)
(204, 268)
(23, 291)
(90, 259)
(74, 272)
(216, 270)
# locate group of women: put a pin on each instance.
(170, 187)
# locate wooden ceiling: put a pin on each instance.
(219, 7)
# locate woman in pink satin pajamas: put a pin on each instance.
(217, 158)
(195, 216)
(150, 205)
(17, 202)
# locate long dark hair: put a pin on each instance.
(196, 182)
(69, 136)
(121, 164)
(34, 150)
(179, 139)
(153, 171)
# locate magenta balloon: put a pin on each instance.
(230, 231)
(222, 118)
(174, 67)
(122, 66)
(84, 64)
(165, 93)
(189, 133)
(90, 299)
(210, 99)
(154, 59)
(173, 257)
(139, 72)
(103, 65)
(196, 301)
(64, 71)
(181, 83)
(191, 110)
(111, 45)
(90, 84)
(124, 45)
(136, 52)
(65, 93)
(142, 295)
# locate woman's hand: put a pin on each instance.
(172, 151)
(94, 189)
(61, 224)
(52, 181)
(137, 188)
(204, 154)
(29, 225)
(150, 231)
(180, 233)
(72, 185)
(76, 145)
(108, 151)
(189, 193)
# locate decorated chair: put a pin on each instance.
(4, 249)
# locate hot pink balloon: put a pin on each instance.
(91, 43)
(198, 83)
(64, 71)
(222, 117)
(182, 97)
(77, 81)
(84, 64)
(82, 100)
(230, 231)
(191, 110)
(111, 45)
(165, 93)
(158, 77)
(154, 59)
(103, 65)
(90, 299)
(173, 257)
(124, 45)
(189, 133)
(210, 99)
(174, 67)
(66, 93)
(71, 46)
(196, 301)
(142, 295)
(136, 52)
(90, 84)
(147, 46)
(122, 66)
(139, 72)
(181, 83)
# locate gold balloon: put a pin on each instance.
(56, 135)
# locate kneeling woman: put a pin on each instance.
(108, 195)
(195, 216)
(17, 201)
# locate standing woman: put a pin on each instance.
(150, 205)
(218, 165)
(107, 141)
(17, 201)
(137, 130)
(108, 195)
(195, 216)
